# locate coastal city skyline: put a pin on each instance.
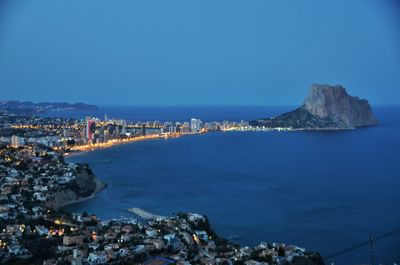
(38, 181)
(180, 132)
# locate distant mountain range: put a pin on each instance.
(325, 107)
(44, 106)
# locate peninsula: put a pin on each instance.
(325, 108)
(44, 106)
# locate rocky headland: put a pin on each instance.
(85, 186)
(325, 108)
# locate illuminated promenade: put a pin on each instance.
(112, 142)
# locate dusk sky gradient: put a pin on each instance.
(197, 52)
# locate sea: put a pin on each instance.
(327, 191)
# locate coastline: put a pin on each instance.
(86, 186)
(142, 213)
(99, 187)
(102, 185)
(77, 150)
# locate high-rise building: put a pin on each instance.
(17, 141)
(195, 125)
(90, 127)
(66, 132)
(185, 128)
(143, 129)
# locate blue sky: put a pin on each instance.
(212, 52)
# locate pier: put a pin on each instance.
(145, 214)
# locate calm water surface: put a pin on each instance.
(321, 190)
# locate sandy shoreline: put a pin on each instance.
(78, 150)
(111, 143)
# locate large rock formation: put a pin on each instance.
(326, 107)
(85, 186)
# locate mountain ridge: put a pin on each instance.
(44, 106)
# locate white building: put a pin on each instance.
(195, 125)
(17, 141)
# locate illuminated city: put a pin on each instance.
(207, 132)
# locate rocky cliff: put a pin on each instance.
(85, 186)
(325, 107)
